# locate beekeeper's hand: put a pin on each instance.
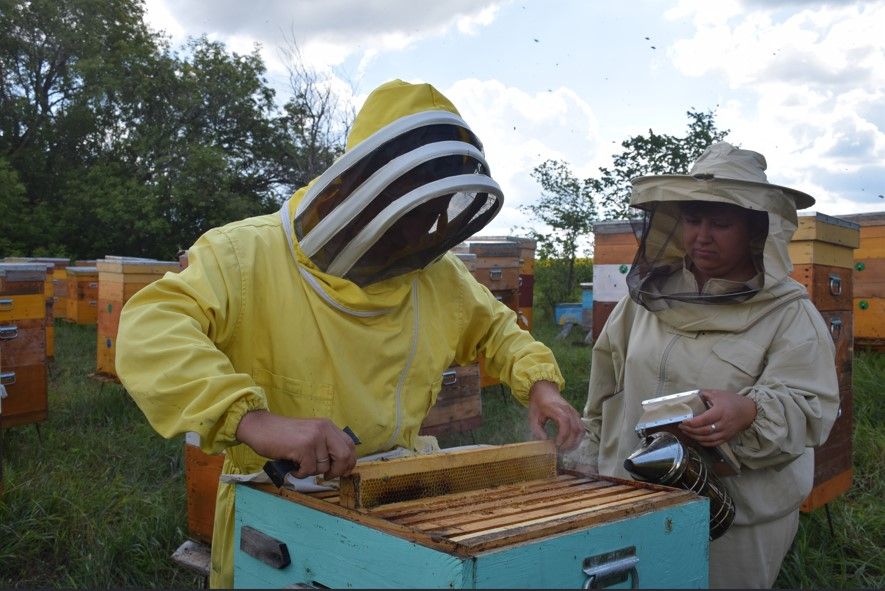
(547, 404)
(316, 445)
(729, 414)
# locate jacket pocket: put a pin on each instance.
(743, 355)
(297, 398)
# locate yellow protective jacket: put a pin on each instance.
(252, 324)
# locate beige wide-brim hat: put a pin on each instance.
(722, 173)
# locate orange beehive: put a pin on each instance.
(82, 294)
(119, 278)
(201, 474)
(497, 267)
(869, 281)
(23, 373)
(53, 265)
(614, 248)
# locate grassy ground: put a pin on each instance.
(95, 499)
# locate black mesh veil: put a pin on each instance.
(399, 200)
(660, 272)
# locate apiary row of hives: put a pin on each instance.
(33, 292)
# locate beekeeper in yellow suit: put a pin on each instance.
(342, 309)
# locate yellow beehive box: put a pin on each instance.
(824, 240)
(120, 278)
(82, 294)
(869, 280)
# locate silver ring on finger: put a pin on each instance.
(712, 427)
(322, 460)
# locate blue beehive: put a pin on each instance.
(566, 313)
(511, 522)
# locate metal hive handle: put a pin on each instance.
(611, 568)
(835, 284)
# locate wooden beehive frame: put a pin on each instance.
(380, 482)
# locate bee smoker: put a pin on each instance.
(662, 459)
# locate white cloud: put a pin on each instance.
(327, 31)
(520, 130)
(814, 80)
(471, 24)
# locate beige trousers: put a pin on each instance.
(750, 556)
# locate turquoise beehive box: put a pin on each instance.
(559, 530)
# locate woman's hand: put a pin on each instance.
(728, 415)
(316, 445)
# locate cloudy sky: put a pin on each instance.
(801, 81)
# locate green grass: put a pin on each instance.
(96, 499)
(93, 497)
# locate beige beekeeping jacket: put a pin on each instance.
(773, 348)
(253, 324)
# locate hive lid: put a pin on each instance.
(17, 272)
(614, 226)
(824, 228)
(872, 218)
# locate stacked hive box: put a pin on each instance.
(869, 281)
(57, 277)
(458, 405)
(119, 278)
(614, 248)
(82, 294)
(53, 265)
(48, 295)
(822, 255)
(527, 247)
(56, 308)
(498, 268)
(60, 292)
(23, 343)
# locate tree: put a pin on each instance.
(316, 119)
(66, 69)
(568, 207)
(650, 155)
(12, 206)
(123, 146)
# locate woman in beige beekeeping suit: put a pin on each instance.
(341, 310)
(711, 307)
